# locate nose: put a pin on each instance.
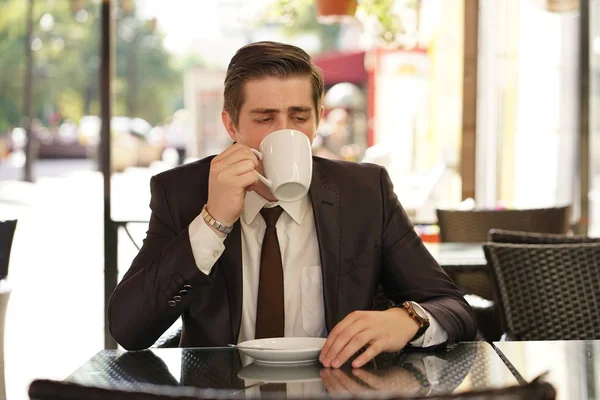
(282, 122)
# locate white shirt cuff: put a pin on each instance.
(434, 335)
(207, 246)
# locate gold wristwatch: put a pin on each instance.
(214, 223)
(416, 313)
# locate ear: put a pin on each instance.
(229, 125)
(320, 113)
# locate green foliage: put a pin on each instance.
(147, 80)
(389, 21)
(287, 11)
(300, 16)
(11, 63)
(66, 66)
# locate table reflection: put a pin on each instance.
(573, 366)
(467, 366)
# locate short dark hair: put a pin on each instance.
(268, 59)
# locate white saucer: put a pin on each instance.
(281, 374)
(283, 351)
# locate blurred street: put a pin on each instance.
(54, 319)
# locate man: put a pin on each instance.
(201, 258)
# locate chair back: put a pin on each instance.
(547, 291)
(519, 237)
(7, 232)
(473, 225)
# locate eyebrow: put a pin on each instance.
(276, 110)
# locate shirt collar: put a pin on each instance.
(254, 202)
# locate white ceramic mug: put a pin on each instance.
(287, 163)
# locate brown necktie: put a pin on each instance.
(269, 307)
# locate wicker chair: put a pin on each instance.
(472, 226)
(53, 390)
(518, 237)
(547, 292)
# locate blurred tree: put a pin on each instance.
(12, 63)
(392, 31)
(65, 43)
(300, 17)
(147, 80)
(61, 42)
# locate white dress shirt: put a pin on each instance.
(302, 277)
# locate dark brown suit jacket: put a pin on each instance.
(365, 240)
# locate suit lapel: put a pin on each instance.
(325, 199)
(231, 265)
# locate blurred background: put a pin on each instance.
(468, 103)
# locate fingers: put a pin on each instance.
(380, 331)
(231, 173)
(394, 380)
(233, 155)
(347, 340)
(343, 324)
(240, 168)
(247, 179)
(337, 381)
(358, 341)
(374, 381)
(241, 173)
(373, 350)
(230, 150)
(331, 382)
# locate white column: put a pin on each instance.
(487, 103)
(547, 123)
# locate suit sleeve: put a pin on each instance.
(156, 289)
(409, 271)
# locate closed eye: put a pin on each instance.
(264, 120)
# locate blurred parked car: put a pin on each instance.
(45, 144)
(132, 144)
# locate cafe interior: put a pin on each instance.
(485, 113)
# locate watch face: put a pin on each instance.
(419, 311)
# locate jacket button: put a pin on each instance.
(177, 298)
(187, 286)
(172, 303)
(183, 292)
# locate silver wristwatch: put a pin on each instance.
(214, 223)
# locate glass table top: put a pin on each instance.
(573, 367)
(467, 366)
(458, 254)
